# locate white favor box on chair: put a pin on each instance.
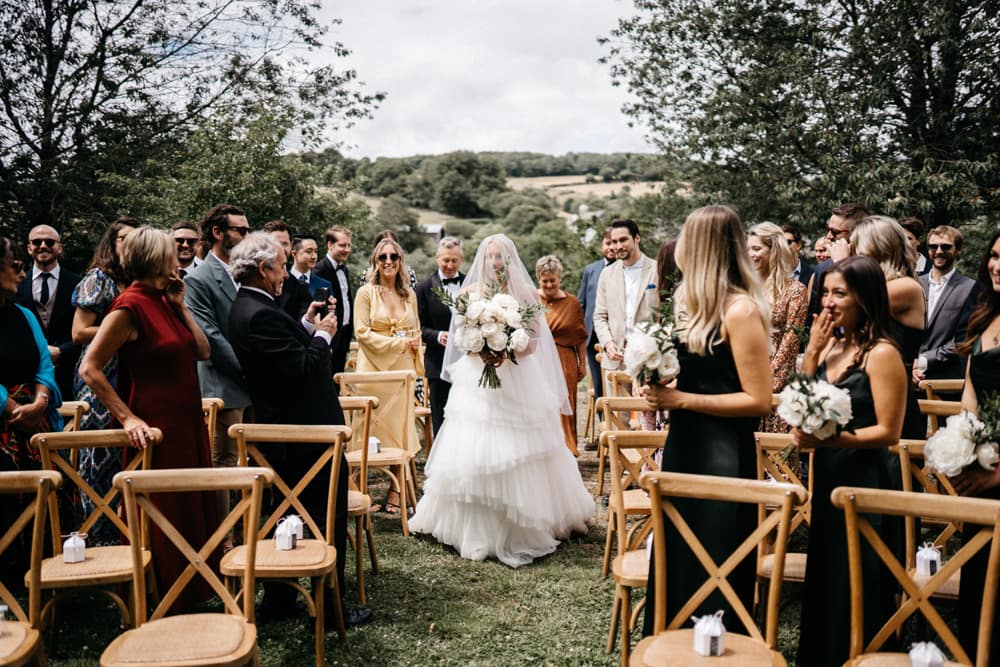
(294, 522)
(374, 445)
(284, 536)
(928, 560)
(926, 654)
(709, 635)
(74, 548)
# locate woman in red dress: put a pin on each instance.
(158, 343)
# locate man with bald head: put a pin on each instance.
(47, 292)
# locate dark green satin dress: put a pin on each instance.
(984, 373)
(708, 445)
(824, 637)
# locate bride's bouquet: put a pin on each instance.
(651, 353)
(814, 406)
(964, 440)
(492, 321)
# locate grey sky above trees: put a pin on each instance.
(489, 75)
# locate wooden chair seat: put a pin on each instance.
(795, 567)
(675, 648)
(358, 503)
(101, 565)
(632, 568)
(191, 639)
(17, 643)
(388, 456)
(948, 590)
(309, 558)
(890, 660)
(636, 501)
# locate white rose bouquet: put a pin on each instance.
(815, 406)
(491, 321)
(651, 353)
(964, 440)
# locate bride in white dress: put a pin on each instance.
(499, 479)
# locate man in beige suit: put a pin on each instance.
(626, 293)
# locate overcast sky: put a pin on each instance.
(484, 75)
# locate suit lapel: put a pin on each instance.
(945, 294)
(222, 276)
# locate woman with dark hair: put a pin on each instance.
(722, 391)
(850, 345)
(982, 383)
(92, 297)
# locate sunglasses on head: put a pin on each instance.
(48, 243)
(191, 242)
(944, 247)
(392, 257)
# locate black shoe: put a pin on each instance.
(357, 616)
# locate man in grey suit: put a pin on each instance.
(951, 298)
(588, 300)
(209, 294)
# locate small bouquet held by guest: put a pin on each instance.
(651, 353)
(491, 323)
(966, 439)
(814, 406)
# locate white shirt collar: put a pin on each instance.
(944, 279)
(297, 274)
(259, 291)
(54, 272)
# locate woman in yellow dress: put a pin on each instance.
(387, 329)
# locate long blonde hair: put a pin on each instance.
(780, 259)
(400, 285)
(884, 240)
(712, 256)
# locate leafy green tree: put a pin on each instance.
(394, 214)
(524, 217)
(790, 108)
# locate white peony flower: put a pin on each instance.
(948, 451)
(512, 318)
(669, 367)
(987, 455)
(638, 349)
(497, 342)
(506, 302)
(519, 340)
(473, 340)
(490, 329)
(475, 310)
(492, 312)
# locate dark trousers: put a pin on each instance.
(595, 367)
(339, 348)
(439, 398)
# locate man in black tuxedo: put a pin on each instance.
(435, 320)
(333, 268)
(294, 298)
(47, 291)
(286, 364)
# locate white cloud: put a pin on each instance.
(484, 75)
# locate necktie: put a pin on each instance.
(303, 279)
(182, 273)
(44, 299)
(451, 281)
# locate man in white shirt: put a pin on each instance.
(626, 293)
(304, 257)
(951, 298)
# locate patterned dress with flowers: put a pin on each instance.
(787, 314)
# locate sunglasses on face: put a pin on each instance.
(48, 243)
(242, 231)
(191, 242)
(393, 257)
(836, 233)
(943, 247)
(16, 264)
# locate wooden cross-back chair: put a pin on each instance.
(590, 422)
(21, 641)
(618, 383)
(358, 413)
(422, 413)
(629, 452)
(616, 415)
(227, 638)
(395, 458)
(105, 567)
(914, 468)
(934, 410)
(772, 461)
(210, 409)
(917, 594)
(671, 645)
(72, 413)
(934, 388)
(314, 558)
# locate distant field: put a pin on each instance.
(564, 187)
(425, 217)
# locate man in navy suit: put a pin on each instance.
(294, 298)
(304, 258)
(803, 270)
(435, 320)
(47, 291)
(333, 268)
(588, 299)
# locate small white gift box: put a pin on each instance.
(374, 445)
(928, 560)
(926, 654)
(294, 522)
(284, 536)
(709, 635)
(74, 548)
(3, 616)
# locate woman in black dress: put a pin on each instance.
(723, 390)
(850, 346)
(982, 380)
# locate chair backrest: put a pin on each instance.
(857, 502)
(210, 409)
(72, 412)
(396, 406)
(628, 453)
(40, 483)
(664, 486)
(140, 488)
(932, 387)
(774, 458)
(616, 411)
(358, 412)
(53, 448)
(914, 467)
(248, 438)
(933, 409)
(618, 383)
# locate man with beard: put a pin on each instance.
(185, 235)
(209, 294)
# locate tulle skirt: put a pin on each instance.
(499, 480)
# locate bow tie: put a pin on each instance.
(340, 267)
(451, 281)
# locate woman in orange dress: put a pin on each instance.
(565, 319)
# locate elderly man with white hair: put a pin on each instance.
(286, 364)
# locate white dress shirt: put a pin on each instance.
(934, 290)
(342, 296)
(633, 292)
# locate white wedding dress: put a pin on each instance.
(499, 479)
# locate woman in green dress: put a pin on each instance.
(850, 346)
